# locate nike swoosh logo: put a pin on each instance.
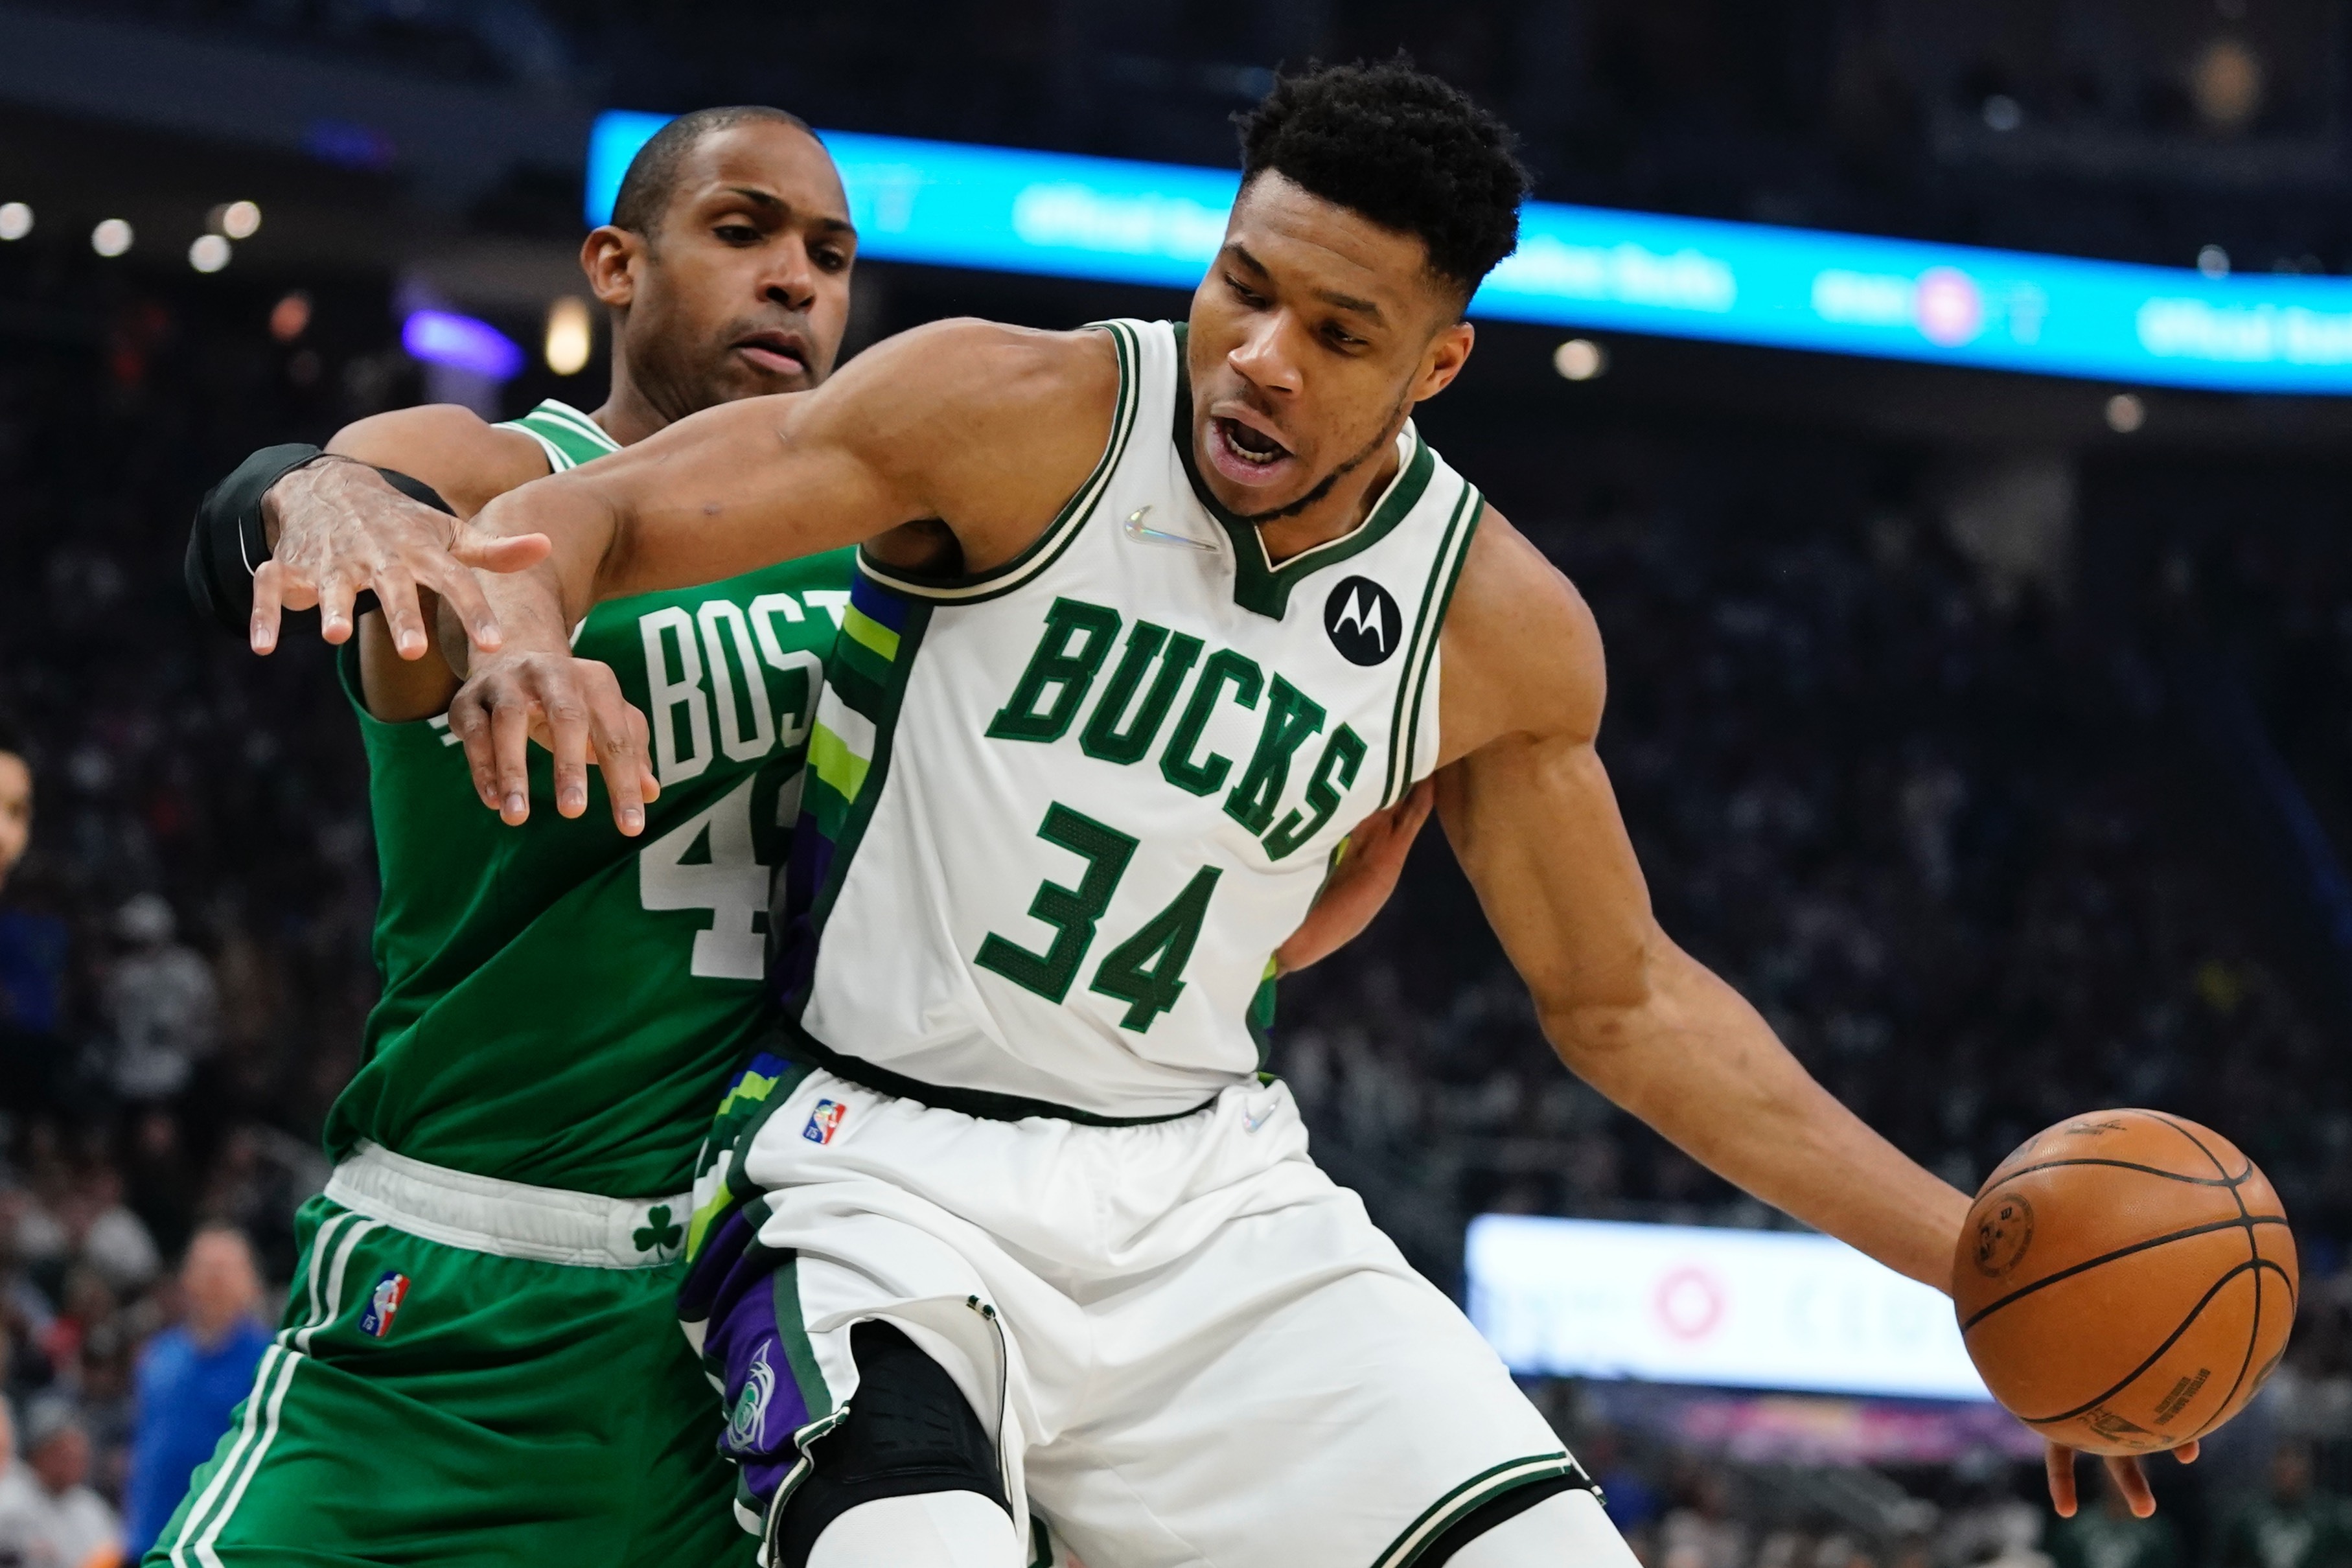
(1252, 1123)
(1142, 535)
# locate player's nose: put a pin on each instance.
(789, 278)
(1263, 357)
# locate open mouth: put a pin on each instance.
(1245, 454)
(777, 353)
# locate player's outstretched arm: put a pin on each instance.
(1529, 806)
(1535, 822)
(948, 448)
(986, 427)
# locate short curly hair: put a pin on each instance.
(1406, 150)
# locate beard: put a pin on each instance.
(1323, 486)
(677, 378)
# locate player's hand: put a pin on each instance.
(336, 527)
(1366, 875)
(574, 707)
(2123, 1473)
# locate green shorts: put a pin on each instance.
(430, 1403)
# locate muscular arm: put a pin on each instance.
(979, 430)
(948, 448)
(467, 463)
(1529, 809)
(1529, 806)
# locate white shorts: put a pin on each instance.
(1189, 1345)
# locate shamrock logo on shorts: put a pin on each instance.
(658, 1234)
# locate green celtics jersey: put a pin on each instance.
(562, 1005)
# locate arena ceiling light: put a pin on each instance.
(1579, 358)
(571, 336)
(16, 220)
(461, 342)
(210, 253)
(112, 237)
(1592, 269)
(290, 317)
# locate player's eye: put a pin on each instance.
(1247, 294)
(738, 233)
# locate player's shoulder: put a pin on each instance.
(1523, 651)
(991, 425)
(464, 458)
(990, 365)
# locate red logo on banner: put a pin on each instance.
(1689, 1303)
(1948, 306)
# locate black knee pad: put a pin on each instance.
(1494, 1511)
(910, 1430)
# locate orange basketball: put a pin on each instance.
(2125, 1281)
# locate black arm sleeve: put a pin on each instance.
(228, 542)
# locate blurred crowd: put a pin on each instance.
(186, 893)
(1926, 809)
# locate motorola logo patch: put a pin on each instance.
(1363, 621)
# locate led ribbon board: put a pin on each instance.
(1001, 209)
(1740, 1308)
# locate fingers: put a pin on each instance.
(647, 784)
(2124, 1474)
(620, 733)
(510, 758)
(2187, 1453)
(574, 707)
(499, 551)
(340, 528)
(2059, 1464)
(491, 716)
(395, 595)
(336, 595)
(567, 737)
(269, 591)
(463, 594)
(585, 710)
(469, 721)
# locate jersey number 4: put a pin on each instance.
(1147, 970)
(729, 882)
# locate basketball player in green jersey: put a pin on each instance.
(480, 1361)
(1029, 1213)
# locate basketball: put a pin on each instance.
(2125, 1281)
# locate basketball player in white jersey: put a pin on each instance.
(1148, 616)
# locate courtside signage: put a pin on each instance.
(1002, 209)
(1740, 1308)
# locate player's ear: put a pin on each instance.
(608, 255)
(1447, 353)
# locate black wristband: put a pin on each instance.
(229, 542)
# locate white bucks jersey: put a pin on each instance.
(1061, 814)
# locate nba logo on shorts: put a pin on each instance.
(383, 1302)
(825, 1121)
